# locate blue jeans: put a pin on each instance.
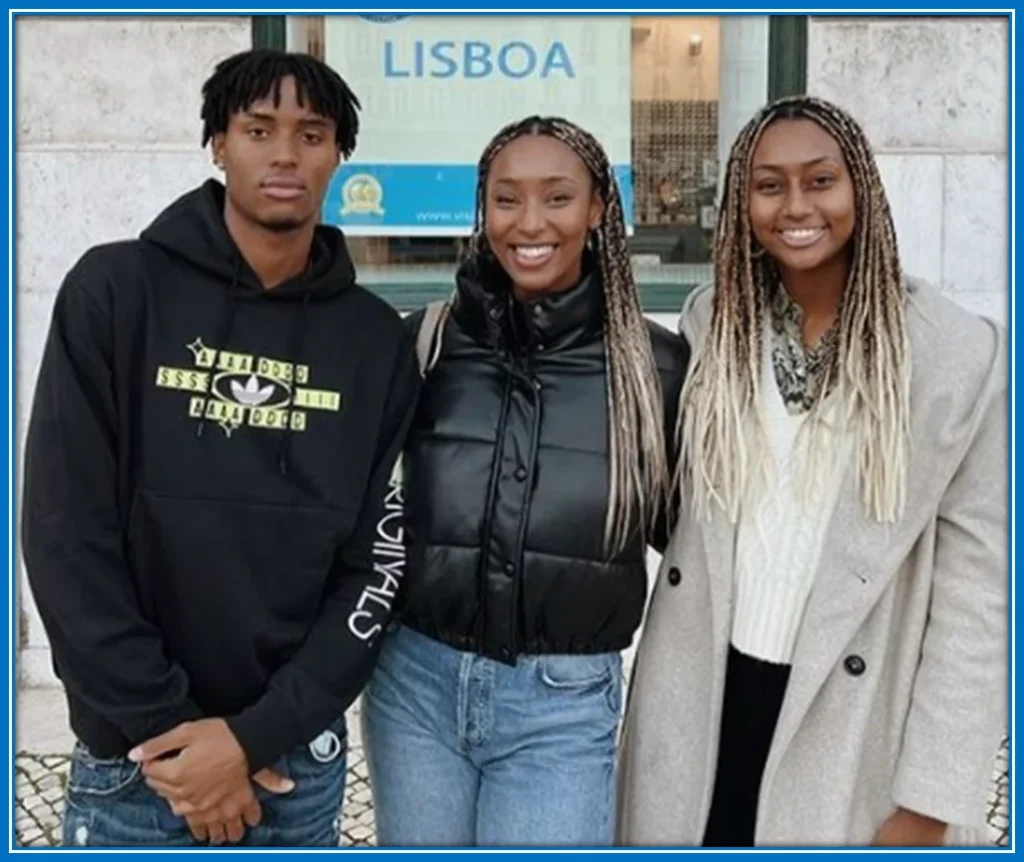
(109, 805)
(465, 751)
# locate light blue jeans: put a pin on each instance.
(465, 751)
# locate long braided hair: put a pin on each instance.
(871, 367)
(639, 477)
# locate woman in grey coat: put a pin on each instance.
(824, 659)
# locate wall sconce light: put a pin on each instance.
(696, 44)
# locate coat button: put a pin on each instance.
(854, 665)
(674, 576)
(521, 474)
(510, 569)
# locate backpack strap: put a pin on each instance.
(428, 339)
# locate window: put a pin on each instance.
(693, 81)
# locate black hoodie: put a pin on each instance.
(210, 524)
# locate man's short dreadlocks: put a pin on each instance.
(244, 78)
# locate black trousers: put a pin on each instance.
(754, 690)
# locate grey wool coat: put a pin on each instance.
(922, 603)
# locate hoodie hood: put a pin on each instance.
(193, 229)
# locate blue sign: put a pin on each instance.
(436, 89)
(426, 200)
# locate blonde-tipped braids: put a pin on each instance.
(722, 436)
(639, 475)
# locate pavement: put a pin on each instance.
(44, 744)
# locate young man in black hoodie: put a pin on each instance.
(210, 525)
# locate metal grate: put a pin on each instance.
(675, 161)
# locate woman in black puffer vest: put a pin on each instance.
(536, 476)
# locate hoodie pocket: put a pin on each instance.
(233, 585)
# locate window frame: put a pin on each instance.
(787, 75)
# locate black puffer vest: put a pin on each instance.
(506, 472)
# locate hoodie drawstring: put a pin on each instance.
(227, 320)
(295, 343)
(294, 357)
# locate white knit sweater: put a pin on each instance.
(780, 534)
